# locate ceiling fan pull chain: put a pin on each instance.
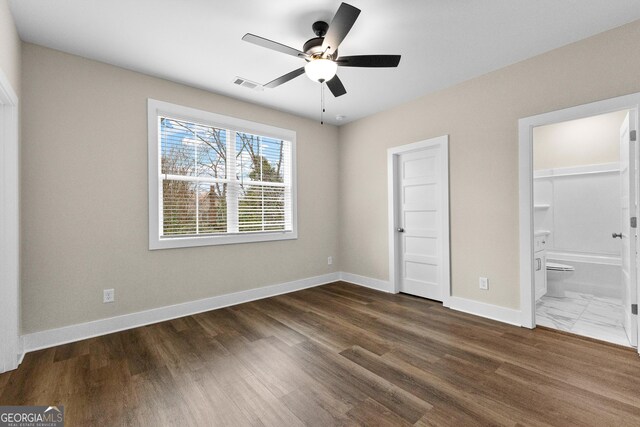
(322, 103)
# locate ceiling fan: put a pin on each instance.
(321, 52)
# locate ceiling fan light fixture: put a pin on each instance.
(321, 52)
(321, 70)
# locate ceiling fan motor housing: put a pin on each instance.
(313, 47)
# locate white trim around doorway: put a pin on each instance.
(526, 126)
(10, 342)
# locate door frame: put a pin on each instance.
(10, 344)
(525, 131)
(393, 154)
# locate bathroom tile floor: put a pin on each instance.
(583, 314)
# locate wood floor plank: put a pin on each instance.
(339, 326)
(429, 390)
(590, 400)
(316, 408)
(328, 332)
(266, 325)
(220, 408)
(359, 384)
(371, 413)
(338, 354)
(276, 371)
(259, 405)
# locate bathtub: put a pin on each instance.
(594, 274)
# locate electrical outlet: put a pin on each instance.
(108, 295)
(329, 260)
(484, 283)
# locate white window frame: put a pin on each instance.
(156, 109)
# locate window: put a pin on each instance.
(218, 180)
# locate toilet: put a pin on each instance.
(556, 275)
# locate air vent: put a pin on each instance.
(248, 84)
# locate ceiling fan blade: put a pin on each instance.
(369, 61)
(339, 28)
(336, 87)
(270, 44)
(283, 79)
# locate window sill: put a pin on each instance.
(227, 239)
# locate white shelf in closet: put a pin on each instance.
(540, 207)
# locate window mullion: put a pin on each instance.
(261, 179)
(233, 188)
(197, 186)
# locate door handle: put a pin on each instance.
(538, 264)
(614, 235)
(400, 230)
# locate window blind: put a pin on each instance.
(221, 181)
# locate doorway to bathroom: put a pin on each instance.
(577, 220)
(578, 213)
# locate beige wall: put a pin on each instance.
(84, 202)
(481, 117)
(84, 198)
(9, 47)
(590, 141)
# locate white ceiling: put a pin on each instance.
(198, 42)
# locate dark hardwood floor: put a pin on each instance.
(338, 354)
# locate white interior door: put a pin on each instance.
(420, 223)
(629, 209)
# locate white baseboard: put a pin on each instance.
(490, 311)
(67, 334)
(367, 282)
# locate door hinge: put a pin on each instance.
(634, 222)
(632, 135)
(634, 308)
